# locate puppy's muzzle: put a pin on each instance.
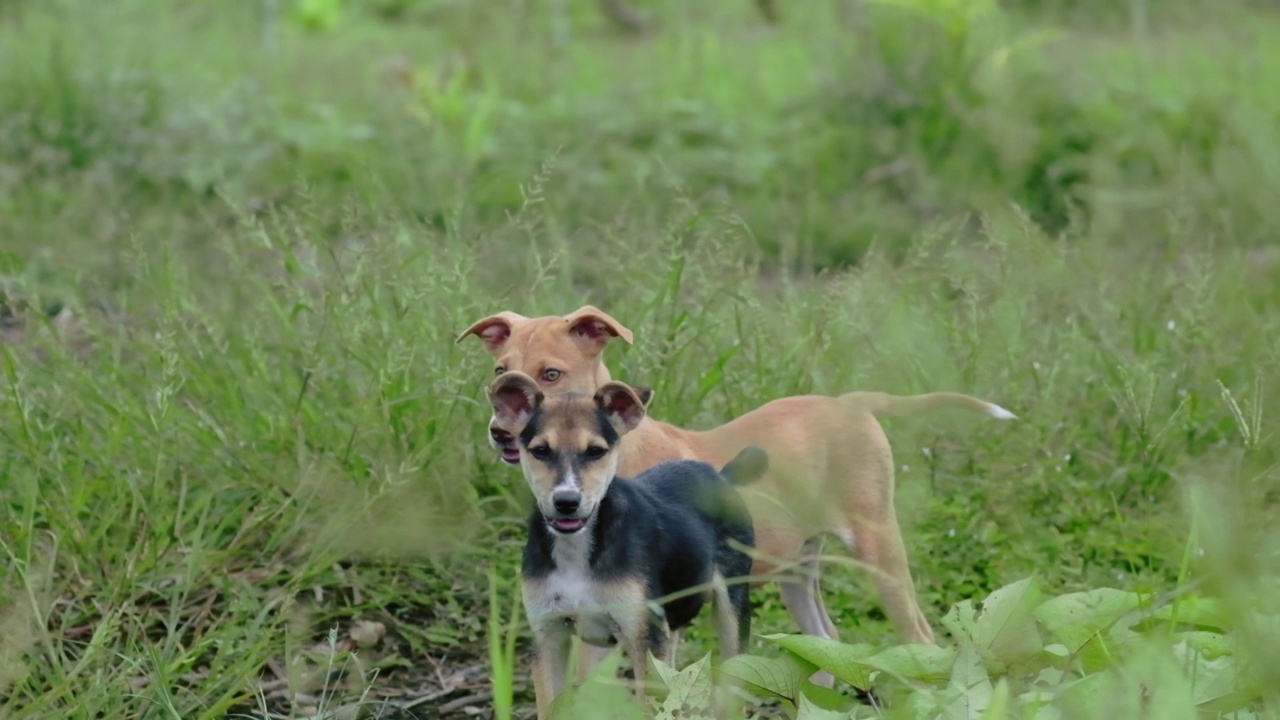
(567, 504)
(504, 442)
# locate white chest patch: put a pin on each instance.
(569, 600)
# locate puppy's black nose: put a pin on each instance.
(566, 501)
(502, 436)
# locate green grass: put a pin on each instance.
(250, 427)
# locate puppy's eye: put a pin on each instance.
(541, 452)
(499, 370)
(595, 452)
(551, 375)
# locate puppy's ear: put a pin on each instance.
(621, 404)
(645, 394)
(494, 330)
(593, 329)
(514, 396)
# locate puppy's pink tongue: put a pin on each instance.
(511, 457)
(570, 525)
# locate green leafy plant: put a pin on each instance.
(1019, 654)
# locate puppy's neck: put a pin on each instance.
(573, 552)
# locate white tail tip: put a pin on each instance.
(1000, 413)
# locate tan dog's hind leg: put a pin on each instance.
(880, 546)
(816, 589)
(811, 556)
(868, 521)
(802, 596)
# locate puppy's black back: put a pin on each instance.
(702, 515)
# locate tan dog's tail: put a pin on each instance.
(885, 405)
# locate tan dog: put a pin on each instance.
(830, 468)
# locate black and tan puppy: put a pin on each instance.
(605, 552)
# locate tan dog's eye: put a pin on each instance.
(551, 375)
(541, 452)
(499, 370)
(595, 452)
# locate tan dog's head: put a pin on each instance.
(561, 353)
(567, 442)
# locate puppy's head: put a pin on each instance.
(567, 442)
(561, 354)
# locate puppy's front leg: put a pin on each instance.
(550, 667)
(589, 657)
(652, 635)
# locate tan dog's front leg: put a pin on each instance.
(881, 546)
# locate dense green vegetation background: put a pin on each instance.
(235, 252)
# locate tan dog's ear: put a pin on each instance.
(494, 330)
(621, 404)
(593, 328)
(514, 396)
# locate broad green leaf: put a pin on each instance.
(967, 671)
(1210, 644)
(1232, 705)
(601, 689)
(689, 690)
(923, 703)
(1148, 684)
(1049, 677)
(825, 698)
(1038, 705)
(1057, 650)
(807, 710)
(928, 663)
(1074, 618)
(998, 707)
(962, 620)
(1101, 651)
(665, 672)
(1006, 625)
(1083, 698)
(1217, 685)
(781, 677)
(841, 660)
(973, 685)
(1198, 611)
